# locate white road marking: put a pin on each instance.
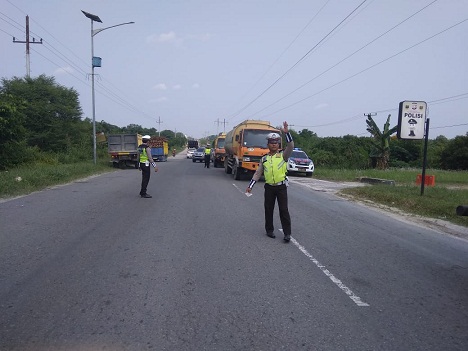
(242, 191)
(356, 299)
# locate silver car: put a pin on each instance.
(190, 152)
(199, 155)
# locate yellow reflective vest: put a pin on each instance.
(274, 168)
(142, 151)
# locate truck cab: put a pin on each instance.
(218, 153)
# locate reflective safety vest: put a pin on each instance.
(142, 151)
(207, 151)
(274, 168)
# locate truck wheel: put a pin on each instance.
(193, 161)
(227, 169)
(236, 173)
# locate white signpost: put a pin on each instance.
(411, 120)
(413, 125)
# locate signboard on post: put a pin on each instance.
(411, 120)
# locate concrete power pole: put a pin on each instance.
(27, 42)
(223, 123)
(159, 125)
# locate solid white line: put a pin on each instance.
(235, 185)
(356, 299)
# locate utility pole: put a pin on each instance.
(223, 123)
(27, 42)
(159, 125)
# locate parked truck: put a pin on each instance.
(159, 148)
(218, 152)
(245, 145)
(123, 149)
(192, 144)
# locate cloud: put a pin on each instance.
(170, 37)
(160, 86)
(321, 106)
(63, 70)
(177, 87)
(195, 85)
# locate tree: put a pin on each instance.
(455, 155)
(12, 131)
(51, 111)
(381, 141)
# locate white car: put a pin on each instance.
(190, 152)
(299, 162)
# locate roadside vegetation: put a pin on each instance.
(438, 202)
(45, 140)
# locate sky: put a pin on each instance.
(201, 67)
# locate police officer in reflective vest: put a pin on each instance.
(144, 161)
(273, 167)
(207, 155)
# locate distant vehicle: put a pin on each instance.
(218, 153)
(192, 144)
(159, 148)
(299, 162)
(123, 149)
(244, 146)
(190, 152)
(199, 155)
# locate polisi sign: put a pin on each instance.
(411, 120)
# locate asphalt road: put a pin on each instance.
(92, 266)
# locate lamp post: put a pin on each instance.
(96, 63)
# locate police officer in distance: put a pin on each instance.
(144, 161)
(207, 155)
(274, 167)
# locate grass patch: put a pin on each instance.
(437, 202)
(26, 179)
(400, 176)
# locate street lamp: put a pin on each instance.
(96, 62)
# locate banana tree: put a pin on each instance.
(381, 141)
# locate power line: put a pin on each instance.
(346, 58)
(281, 55)
(366, 69)
(297, 62)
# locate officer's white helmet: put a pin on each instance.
(146, 137)
(273, 136)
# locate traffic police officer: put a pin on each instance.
(144, 161)
(274, 167)
(207, 155)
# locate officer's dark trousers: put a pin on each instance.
(145, 177)
(280, 193)
(207, 161)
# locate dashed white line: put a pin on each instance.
(356, 299)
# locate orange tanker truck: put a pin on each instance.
(218, 153)
(245, 145)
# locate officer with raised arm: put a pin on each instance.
(273, 167)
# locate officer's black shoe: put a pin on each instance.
(146, 196)
(287, 238)
(271, 235)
